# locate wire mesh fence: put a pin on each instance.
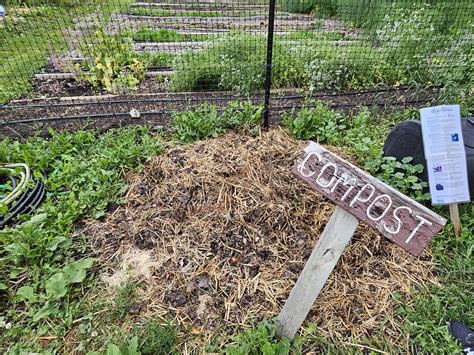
(102, 57)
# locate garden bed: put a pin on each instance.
(217, 232)
(69, 105)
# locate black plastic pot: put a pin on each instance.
(405, 140)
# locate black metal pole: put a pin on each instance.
(268, 67)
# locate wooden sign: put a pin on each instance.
(397, 217)
(359, 196)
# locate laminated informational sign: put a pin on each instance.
(445, 154)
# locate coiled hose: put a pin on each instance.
(24, 193)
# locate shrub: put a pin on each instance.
(408, 36)
(355, 66)
(234, 62)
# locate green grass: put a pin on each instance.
(426, 314)
(165, 35)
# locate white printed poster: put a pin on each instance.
(445, 154)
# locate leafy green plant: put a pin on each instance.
(207, 122)
(198, 124)
(114, 65)
(319, 123)
(130, 347)
(240, 114)
(259, 340)
(236, 62)
(405, 177)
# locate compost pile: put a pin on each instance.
(220, 230)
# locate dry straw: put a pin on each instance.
(223, 229)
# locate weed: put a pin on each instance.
(157, 338)
(207, 122)
(260, 339)
(404, 177)
(240, 114)
(319, 123)
(125, 298)
(198, 124)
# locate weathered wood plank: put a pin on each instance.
(319, 266)
(454, 214)
(61, 76)
(397, 217)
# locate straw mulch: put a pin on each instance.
(219, 231)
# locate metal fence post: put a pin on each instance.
(268, 67)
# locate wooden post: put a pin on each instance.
(454, 213)
(319, 266)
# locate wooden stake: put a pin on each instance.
(454, 212)
(319, 266)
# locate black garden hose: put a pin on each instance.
(24, 203)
